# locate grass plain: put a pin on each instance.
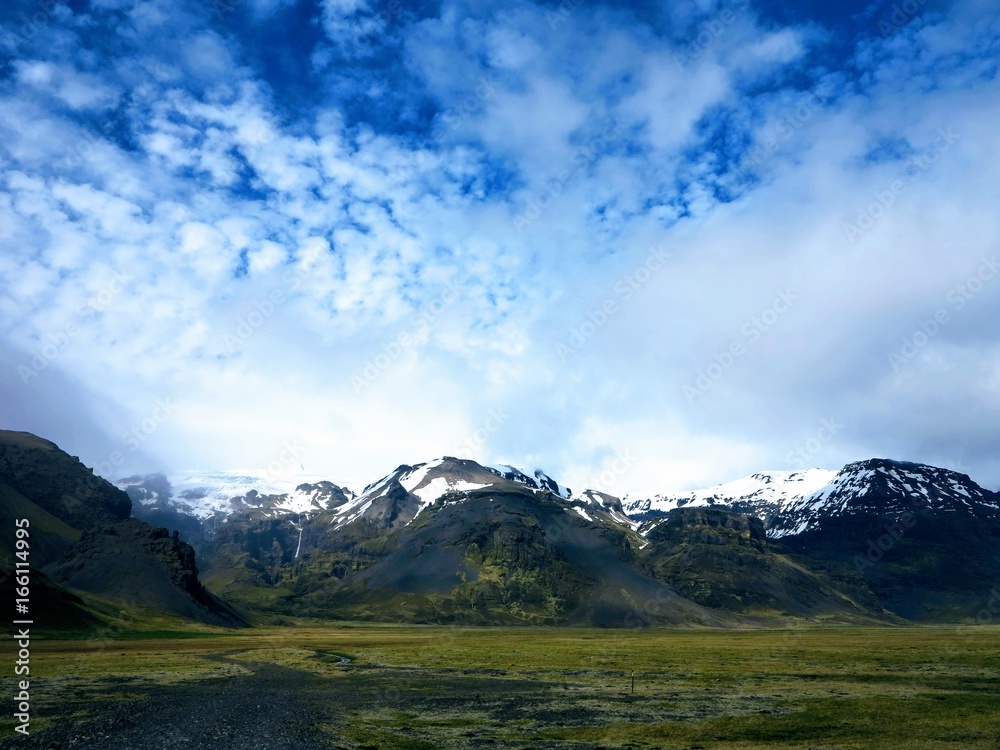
(421, 688)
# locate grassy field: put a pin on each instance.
(432, 687)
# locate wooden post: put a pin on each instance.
(633, 680)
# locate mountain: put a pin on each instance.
(142, 566)
(35, 475)
(451, 540)
(724, 560)
(82, 542)
(925, 540)
(506, 555)
(884, 487)
(203, 495)
(398, 498)
(765, 495)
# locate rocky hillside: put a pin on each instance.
(143, 566)
(83, 542)
(453, 540)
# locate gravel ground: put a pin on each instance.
(280, 708)
(275, 708)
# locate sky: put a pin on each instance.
(642, 246)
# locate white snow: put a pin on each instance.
(429, 490)
(777, 487)
(212, 491)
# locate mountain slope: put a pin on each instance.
(925, 540)
(58, 483)
(508, 556)
(722, 559)
(883, 486)
(141, 566)
(81, 537)
(453, 540)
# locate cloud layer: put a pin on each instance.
(682, 243)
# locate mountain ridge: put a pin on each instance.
(453, 540)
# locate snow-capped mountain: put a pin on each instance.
(538, 480)
(882, 487)
(501, 545)
(398, 498)
(393, 501)
(207, 494)
(764, 495)
(788, 502)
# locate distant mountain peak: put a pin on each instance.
(400, 496)
(764, 494)
(204, 494)
(880, 486)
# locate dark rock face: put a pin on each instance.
(710, 526)
(58, 482)
(135, 537)
(722, 559)
(328, 494)
(925, 540)
(143, 566)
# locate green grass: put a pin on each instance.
(421, 687)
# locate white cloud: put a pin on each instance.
(356, 234)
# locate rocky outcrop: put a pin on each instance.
(722, 559)
(142, 566)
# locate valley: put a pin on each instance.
(421, 688)
(456, 605)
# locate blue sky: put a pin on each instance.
(645, 247)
